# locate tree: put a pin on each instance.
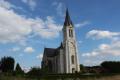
(7, 64)
(18, 69)
(111, 66)
(82, 68)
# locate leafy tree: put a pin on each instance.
(18, 69)
(82, 68)
(7, 64)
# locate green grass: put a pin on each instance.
(60, 76)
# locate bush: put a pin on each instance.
(34, 72)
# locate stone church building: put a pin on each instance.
(63, 59)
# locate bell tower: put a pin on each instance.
(70, 47)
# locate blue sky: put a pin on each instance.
(27, 26)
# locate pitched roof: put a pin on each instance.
(50, 52)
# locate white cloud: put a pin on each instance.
(105, 50)
(29, 50)
(94, 53)
(60, 7)
(82, 24)
(16, 49)
(51, 29)
(16, 28)
(100, 34)
(30, 3)
(89, 62)
(104, 47)
(12, 26)
(40, 56)
(26, 69)
(5, 4)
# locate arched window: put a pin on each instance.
(73, 70)
(70, 33)
(72, 59)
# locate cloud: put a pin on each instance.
(48, 28)
(101, 34)
(60, 7)
(104, 46)
(12, 26)
(94, 53)
(79, 25)
(40, 56)
(16, 28)
(31, 3)
(26, 69)
(16, 49)
(29, 50)
(105, 50)
(5, 4)
(89, 62)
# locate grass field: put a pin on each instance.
(112, 77)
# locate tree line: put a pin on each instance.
(111, 66)
(104, 67)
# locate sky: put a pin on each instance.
(28, 26)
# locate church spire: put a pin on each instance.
(67, 19)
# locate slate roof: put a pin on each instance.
(50, 52)
(67, 19)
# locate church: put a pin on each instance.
(63, 59)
